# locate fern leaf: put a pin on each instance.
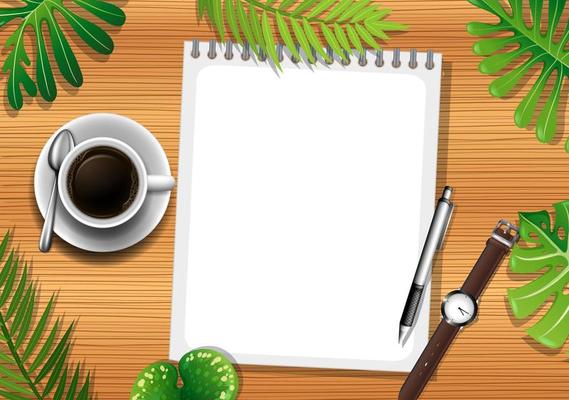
(313, 39)
(4, 245)
(256, 28)
(284, 32)
(34, 17)
(232, 20)
(8, 373)
(303, 6)
(302, 21)
(38, 331)
(6, 269)
(342, 38)
(44, 351)
(366, 36)
(244, 23)
(353, 10)
(84, 392)
(354, 39)
(332, 41)
(339, 9)
(54, 378)
(269, 40)
(17, 294)
(286, 4)
(20, 380)
(217, 17)
(302, 40)
(9, 283)
(12, 396)
(534, 50)
(73, 385)
(61, 386)
(52, 359)
(320, 8)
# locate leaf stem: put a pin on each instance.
(288, 14)
(17, 358)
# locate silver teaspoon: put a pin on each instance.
(60, 147)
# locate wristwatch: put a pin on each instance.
(459, 308)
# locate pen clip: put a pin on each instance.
(445, 229)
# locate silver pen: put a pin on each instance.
(433, 242)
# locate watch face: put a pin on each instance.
(459, 308)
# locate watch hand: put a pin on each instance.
(463, 311)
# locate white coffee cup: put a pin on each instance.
(146, 183)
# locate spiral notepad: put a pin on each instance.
(304, 197)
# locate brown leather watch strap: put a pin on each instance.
(496, 248)
(427, 363)
(503, 238)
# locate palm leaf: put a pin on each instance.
(35, 15)
(313, 24)
(21, 379)
(527, 45)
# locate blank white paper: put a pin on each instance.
(304, 199)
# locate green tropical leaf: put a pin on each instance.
(304, 22)
(545, 251)
(269, 40)
(33, 17)
(533, 50)
(302, 40)
(232, 20)
(354, 39)
(20, 336)
(342, 38)
(333, 42)
(284, 32)
(313, 39)
(255, 24)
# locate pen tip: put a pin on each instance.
(404, 332)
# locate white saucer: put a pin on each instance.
(149, 215)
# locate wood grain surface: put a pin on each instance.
(122, 300)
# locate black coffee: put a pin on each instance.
(102, 182)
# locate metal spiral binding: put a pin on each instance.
(330, 53)
(229, 50)
(362, 59)
(413, 59)
(379, 58)
(211, 53)
(294, 59)
(430, 64)
(246, 55)
(346, 60)
(280, 55)
(195, 48)
(379, 61)
(396, 63)
(262, 56)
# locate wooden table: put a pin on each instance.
(122, 301)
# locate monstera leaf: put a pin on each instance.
(206, 375)
(531, 44)
(344, 24)
(35, 15)
(545, 251)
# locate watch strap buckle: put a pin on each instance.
(506, 233)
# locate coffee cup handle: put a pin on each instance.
(160, 183)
